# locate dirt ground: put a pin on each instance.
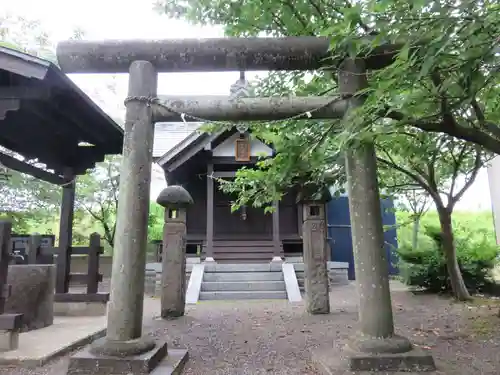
(275, 337)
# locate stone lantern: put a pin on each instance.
(175, 199)
(315, 249)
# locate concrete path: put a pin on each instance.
(66, 334)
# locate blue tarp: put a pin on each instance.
(339, 231)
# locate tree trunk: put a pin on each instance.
(416, 229)
(458, 287)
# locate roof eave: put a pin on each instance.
(23, 64)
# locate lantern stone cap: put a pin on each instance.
(174, 196)
(314, 194)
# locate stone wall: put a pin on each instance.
(32, 294)
(337, 272)
(79, 264)
(152, 282)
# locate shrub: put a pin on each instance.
(425, 266)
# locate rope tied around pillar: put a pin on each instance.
(149, 100)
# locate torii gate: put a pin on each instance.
(375, 347)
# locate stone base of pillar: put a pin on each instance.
(119, 358)
(393, 354)
(168, 314)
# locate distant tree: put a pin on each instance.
(417, 203)
(26, 35)
(421, 161)
(97, 195)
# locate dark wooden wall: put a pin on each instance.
(228, 225)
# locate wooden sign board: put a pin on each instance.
(242, 149)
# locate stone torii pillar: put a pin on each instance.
(376, 346)
(125, 349)
(315, 253)
(175, 199)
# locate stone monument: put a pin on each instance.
(315, 252)
(175, 199)
(32, 294)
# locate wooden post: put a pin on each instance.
(93, 263)
(276, 231)
(210, 212)
(300, 219)
(65, 236)
(5, 230)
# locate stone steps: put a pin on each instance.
(234, 251)
(242, 276)
(241, 295)
(259, 267)
(242, 282)
(216, 286)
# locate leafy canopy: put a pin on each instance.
(443, 80)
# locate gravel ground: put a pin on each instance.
(275, 337)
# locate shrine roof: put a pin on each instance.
(170, 136)
(190, 142)
(45, 117)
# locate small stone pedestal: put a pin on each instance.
(175, 199)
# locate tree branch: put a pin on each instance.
(490, 127)
(470, 181)
(319, 12)
(467, 134)
(364, 26)
(456, 168)
(298, 16)
(418, 179)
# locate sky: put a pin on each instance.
(135, 19)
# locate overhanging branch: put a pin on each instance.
(467, 134)
(418, 179)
